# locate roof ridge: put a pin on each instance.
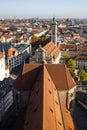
(43, 98)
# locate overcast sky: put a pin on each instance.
(43, 8)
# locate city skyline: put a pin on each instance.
(43, 9)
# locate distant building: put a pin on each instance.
(50, 52)
(18, 55)
(54, 31)
(72, 49)
(78, 52)
(81, 61)
(83, 33)
(15, 55)
(4, 69)
(6, 96)
(44, 108)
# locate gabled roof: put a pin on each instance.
(43, 111)
(51, 49)
(58, 72)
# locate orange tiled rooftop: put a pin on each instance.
(58, 73)
(51, 49)
(44, 110)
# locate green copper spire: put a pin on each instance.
(54, 21)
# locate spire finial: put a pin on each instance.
(53, 18)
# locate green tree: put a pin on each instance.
(82, 74)
(71, 64)
(66, 57)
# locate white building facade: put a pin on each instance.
(4, 72)
(19, 59)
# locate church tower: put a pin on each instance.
(54, 31)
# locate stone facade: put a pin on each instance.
(67, 96)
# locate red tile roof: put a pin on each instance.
(61, 76)
(67, 118)
(27, 76)
(51, 49)
(79, 57)
(58, 72)
(12, 52)
(44, 111)
(70, 47)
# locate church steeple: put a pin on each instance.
(54, 21)
(54, 31)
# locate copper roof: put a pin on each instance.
(58, 72)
